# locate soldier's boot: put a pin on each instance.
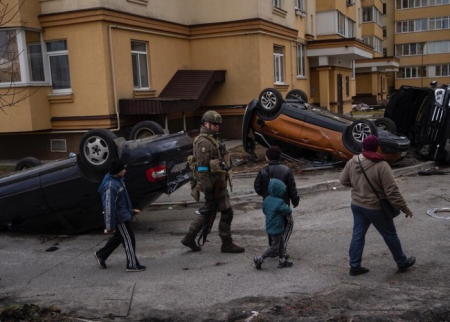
(229, 247)
(189, 241)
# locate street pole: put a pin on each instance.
(421, 68)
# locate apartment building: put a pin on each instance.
(69, 66)
(421, 41)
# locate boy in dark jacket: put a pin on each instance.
(278, 171)
(118, 213)
(275, 209)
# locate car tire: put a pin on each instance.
(269, 102)
(97, 149)
(297, 93)
(145, 129)
(26, 163)
(386, 124)
(356, 132)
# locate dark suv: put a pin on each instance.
(422, 114)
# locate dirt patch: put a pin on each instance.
(34, 313)
(244, 162)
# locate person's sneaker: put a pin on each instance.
(411, 262)
(285, 263)
(100, 261)
(232, 248)
(258, 260)
(191, 244)
(138, 268)
(354, 271)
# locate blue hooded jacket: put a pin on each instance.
(275, 208)
(116, 202)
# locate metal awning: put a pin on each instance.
(185, 92)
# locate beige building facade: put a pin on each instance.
(70, 66)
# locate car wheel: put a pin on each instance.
(27, 163)
(386, 124)
(356, 133)
(269, 101)
(297, 93)
(97, 148)
(145, 129)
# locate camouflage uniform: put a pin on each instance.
(212, 164)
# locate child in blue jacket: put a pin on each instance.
(274, 209)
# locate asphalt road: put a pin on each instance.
(185, 285)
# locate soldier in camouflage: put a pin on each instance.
(211, 167)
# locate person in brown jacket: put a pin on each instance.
(366, 207)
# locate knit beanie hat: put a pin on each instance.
(370, 143)
(116, 166)
(273, 153)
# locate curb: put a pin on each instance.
(318, 187)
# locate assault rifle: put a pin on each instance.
(209, 210)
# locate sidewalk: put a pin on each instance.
(307, 182)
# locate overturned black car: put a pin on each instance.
(62, 197)
(422, 115)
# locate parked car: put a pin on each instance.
(62, 197)
(421, 114)
(295, 126)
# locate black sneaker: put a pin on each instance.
(138, 268)
(411, 262)
(258, 261)
(285, 263)
(354, 271)
(101, 262)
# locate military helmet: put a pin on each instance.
(212, 117)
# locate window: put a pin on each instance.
(277, 4)
(21, 57)
(438, 2)
(384, 32)
(438, 47)
(59, 65)
(9, 57)
(406, 4)
(385, 52)
(353, 69)
(409, 49)
(300, 60)
(341, 24)
(347, 86)
(35, 59)
(411, 25)
(375, 42)
(139, 62)
(384, 8)
(300, 5)
(438, 23)
(372, 14)
(412, 72)
(278, 62)
(345, 26)
(443, 70)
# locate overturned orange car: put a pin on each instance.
(304, 130)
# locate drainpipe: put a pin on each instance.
(113, 76)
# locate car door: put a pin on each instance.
(21, 197)
(430, 124)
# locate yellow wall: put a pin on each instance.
(364, 83)
(30, 114)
